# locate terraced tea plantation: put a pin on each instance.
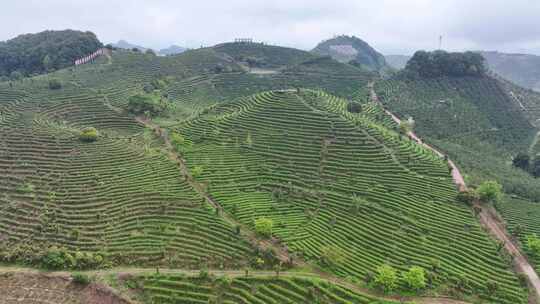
(183, 289)
(304, 147)
(521, 217)
(120, 196)
(327, 177)
(466, 111)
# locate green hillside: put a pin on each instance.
(482, 122)
(328, 178)
(43, 52)
(261, 55)
(303, 146)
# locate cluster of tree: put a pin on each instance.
(146, 104)
(59, 258)
(44, 52)
(153, 101)
(387, 279)
(487, 192)
(524, 162)
(440, 63)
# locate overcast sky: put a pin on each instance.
(391, 26)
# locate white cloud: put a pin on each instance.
(391, 26)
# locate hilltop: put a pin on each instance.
(172, 50)
(521, 69)
(43, 52)
(351, 49)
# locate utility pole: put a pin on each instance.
(440, 42)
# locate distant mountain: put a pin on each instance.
(351, 49)
(397, 61)
(172, 50)
(522, 69)
(122, 44)
(44, 52)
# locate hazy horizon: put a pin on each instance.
(390, 26)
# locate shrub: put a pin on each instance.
(88, 134)
(386, 278)
(354, 107)
(81, 278)
(263, 226)
(56, 259)
(533, 244)
(55, 84)
(522, 161)
(415, 278)
(332, 255)
(406, 126)
(467, 197)
(490, 191)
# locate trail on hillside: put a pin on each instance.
(488, 216)
(123, 271)
(281, 251)
(490, 220)
(456, 174)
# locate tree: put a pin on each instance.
(406, 126)
(55, 84)
(332, 255)
(490, 191)
(42, 52)
(150, 52)
(533, 244)
(88, 134)
(15, 75)
(535, 170)
(141, 103)
(386, 278)
(415, 278)
(354, 107)
(264, 226)
(522, 161)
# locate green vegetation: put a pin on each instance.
(261, 55)
(55, 84)
(440, 63)
(263, 226)
(472, 119)
(332, 255)
(328, 177)
(489, 191)
(44, 52)
(533, 244)
(415, 278)
(330, 180)
(386, 278)
(146, 104)
(185, 289)
(89, 134)
(81, 278)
